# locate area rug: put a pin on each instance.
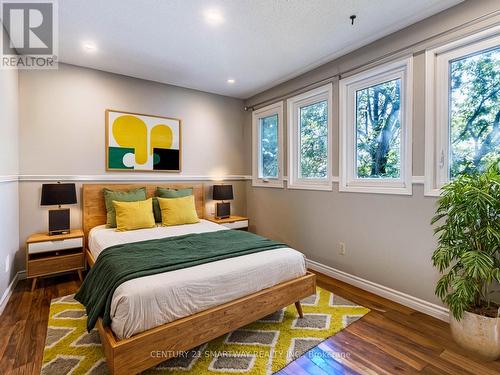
(262, 347)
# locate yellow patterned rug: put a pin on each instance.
(263, 347)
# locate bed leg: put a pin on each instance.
(299, 309)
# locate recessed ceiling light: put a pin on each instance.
(89, 46)
(213, 17)
(231, 81)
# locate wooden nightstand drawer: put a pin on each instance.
(237, 224)
(48, 255)
(55, 264)
(231, 222)
(46, 246)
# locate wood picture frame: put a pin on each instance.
(139, 154)
(133, 355)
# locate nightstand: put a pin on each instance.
(232, 222)
(50, 255)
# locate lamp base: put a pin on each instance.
(222, 210)
(57, 233)
(59, 221)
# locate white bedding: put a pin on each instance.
(150, 301)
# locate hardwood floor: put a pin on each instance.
(391, 339)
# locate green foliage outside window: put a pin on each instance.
(378, 130)
(474, 112)
(269, 146)
(314, 140)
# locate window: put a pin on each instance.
(375, 130)
(462, 108)
(313, 136)
(474, 111)
(309, 135)
(267, 140)
(378, 131)
(268, 165)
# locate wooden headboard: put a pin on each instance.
(94, 209)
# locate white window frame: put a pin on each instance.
(348, 181)
(437, 103)
(270, 110)
(323, 93)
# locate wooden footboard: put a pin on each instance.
(149, 348)
(140, 352)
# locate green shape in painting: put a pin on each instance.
(115, 157)
(156, 158)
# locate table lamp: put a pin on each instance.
(222, 193)
(58, 194)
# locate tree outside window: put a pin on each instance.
(474, 113)
(314, 140)
(378, 131)
(269, 146)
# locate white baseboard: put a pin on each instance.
(415, 303)
(21, 275)
(418, 304)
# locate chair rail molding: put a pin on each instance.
(419, 180)
(133, 177)
(9, 178)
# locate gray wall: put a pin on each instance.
(62, 134)
(62, 121)
(388, 238)
(9, 203)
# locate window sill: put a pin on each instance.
(277, 184)
(321, 187)
(377, 190)
(432, 192)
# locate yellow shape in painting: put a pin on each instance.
(161, 137)
(130, 131)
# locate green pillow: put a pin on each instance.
(173, 193)
(121, 196)
(168, 193)
(156, 210)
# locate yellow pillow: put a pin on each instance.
(178, 211)
(134, 215)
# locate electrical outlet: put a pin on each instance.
(342, 248)
(7, 263)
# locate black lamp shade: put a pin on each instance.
(56, 194)
(223, 192)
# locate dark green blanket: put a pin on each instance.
(121, 263)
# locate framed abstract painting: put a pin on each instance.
(145, 143)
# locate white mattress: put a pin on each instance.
(150, 301)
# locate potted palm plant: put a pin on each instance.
(468, 257)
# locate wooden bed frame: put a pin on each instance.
(149, 348)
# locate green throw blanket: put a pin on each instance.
(121, 263)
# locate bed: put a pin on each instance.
(175, 311)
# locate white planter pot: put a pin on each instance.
(478, 334)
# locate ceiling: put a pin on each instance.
(201, 44)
